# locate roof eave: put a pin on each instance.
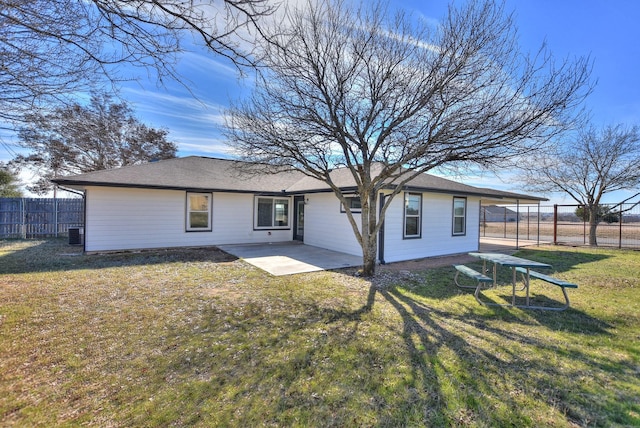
(484, 195)
(487, 195)
(82, 185)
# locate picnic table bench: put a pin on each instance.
(551, 280)
(517, 264)
(467, 271)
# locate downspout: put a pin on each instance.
(482, 218)
(84, 239)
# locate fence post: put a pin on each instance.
(555, 224)
(584, 225)
(55, 216)
(23, 219)
(620, 229)
(528, 222)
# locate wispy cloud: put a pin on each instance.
(183, 99)
(429, 21)
(194, 124)
(207, 63)
(209, 146)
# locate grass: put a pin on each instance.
(194, 337)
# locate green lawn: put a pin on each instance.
(194, 337)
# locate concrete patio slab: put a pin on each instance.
(497, 245)
(287, 258)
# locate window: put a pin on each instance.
(198, 212)
(271, 213)
(354, 204)
(459, 216)
(412, 214)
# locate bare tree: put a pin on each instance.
(589, 166)
(77, 139)
(389, 98)
(9, 183)
(50, 50)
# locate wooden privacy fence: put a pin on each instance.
(39, 217)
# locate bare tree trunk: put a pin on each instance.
(593, 240)
(593, 225)
(369, 236)
(369, 255)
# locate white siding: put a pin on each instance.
(326, 227)
(124, 219)
(437, 238)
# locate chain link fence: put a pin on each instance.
(618, 226)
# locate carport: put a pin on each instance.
(286, 258)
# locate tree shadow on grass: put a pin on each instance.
(438, 284)
(541, 294)
(56, 255)
(561, 261)
(438, 367)
(387, 358)
(487, 362)
(270, 367)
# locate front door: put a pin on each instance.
(298, 218)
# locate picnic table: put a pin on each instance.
(517, 264)
(514, 263)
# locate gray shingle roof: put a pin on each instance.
(188, 173)
(211, 174)
(423, 182)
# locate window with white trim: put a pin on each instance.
(354, 204)
(412, 215)
(198, 212)
(459, 216)
(271, 213)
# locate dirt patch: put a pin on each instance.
(427, 263)
(187, 254)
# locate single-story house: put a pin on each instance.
(200, 201)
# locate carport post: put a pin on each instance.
(517, 224)
(538, 222)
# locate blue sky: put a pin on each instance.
(608, 31)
